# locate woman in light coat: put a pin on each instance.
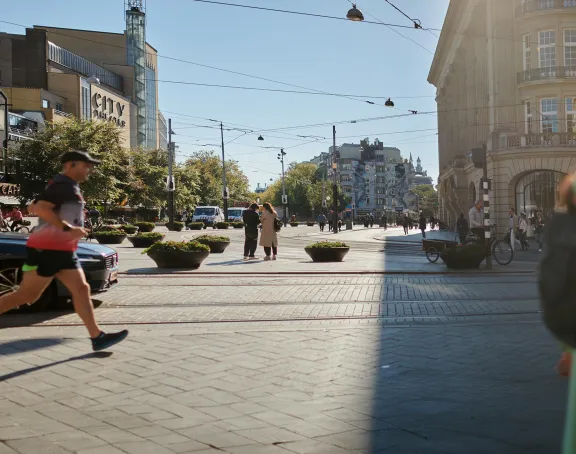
(268, 237)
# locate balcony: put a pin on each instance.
(552, 73)
(546, 140)
(532, 6)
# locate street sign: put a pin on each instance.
(225, 194)
(284, 199)
(170, 184)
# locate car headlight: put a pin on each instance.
(89, 260)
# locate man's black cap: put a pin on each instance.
(77, 155)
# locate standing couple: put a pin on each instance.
(268, 238)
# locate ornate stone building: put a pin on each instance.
(505, 73)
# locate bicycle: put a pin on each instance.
(20, 228)
(501, 251)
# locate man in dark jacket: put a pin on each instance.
(251, 221)
(462, 228)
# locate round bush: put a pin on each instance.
(175, 227)
(129, 229)
(196, 225)
(294, 224)
(110, 221)
(205, 239)
(150, 235)
(145, 226)
(237, 225)
(326, 245)
(177, 246)
(222, 225)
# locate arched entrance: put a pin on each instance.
(537, 191)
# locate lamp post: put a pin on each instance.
(6, 137)
(284, 198)
(335, 181)
(224, 185)
(170, 185)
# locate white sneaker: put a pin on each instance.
(539, 250)
(245, 258)
(267, 258)
(253, 258)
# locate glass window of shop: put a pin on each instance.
(86, 107)
(537, 191)
(151, 113)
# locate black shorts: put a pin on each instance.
(48, 263)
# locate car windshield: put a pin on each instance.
(235, 213)
(205, 212)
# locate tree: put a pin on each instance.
(40, 158)
(427, 199)
(148, 174)
(208, 167)
(304, 189)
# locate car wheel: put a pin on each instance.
(10, 279)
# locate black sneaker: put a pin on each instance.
(106, 340)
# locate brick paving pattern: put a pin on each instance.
(440, 389)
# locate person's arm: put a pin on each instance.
(44, 207)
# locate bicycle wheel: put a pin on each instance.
(432, 254)
(502, 252)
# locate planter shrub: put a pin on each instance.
(196, 225)
(294, 224)
(460, 257)
(310, 224)
(146, 239)
(217, 244)
(145, 226)
(222, 225)
(129, 229)
(110, 221)
(175, 227)
(237, 225)
(110, 236)
(175, 254)
(327, 251)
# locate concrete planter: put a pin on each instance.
(335, 254)
(190, 260)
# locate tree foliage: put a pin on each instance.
(428, 198)
(40, 158)
(208, 166)
(304, 189)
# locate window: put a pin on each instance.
(549, 111)
(547, 48)
(526, 46)
(571, 115)
(86, 107)
(45, 104)
(59, 106)
(528, 116)
(570, 48)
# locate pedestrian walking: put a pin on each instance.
(522, 232)
(251, 221)
(321, 221)
(462, 228)
(476, 216)
(405, 223)
(422, 224)
(371, 221)
(269, 238)
(385, 222)
(539, 230)
(51, 248)
(432, 222)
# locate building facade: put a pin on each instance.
(377, 178)
(505, 74)
(86, 74)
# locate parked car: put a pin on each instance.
(208, 215)
(100, 263)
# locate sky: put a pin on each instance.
(361, 60)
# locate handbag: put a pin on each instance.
(277, 224)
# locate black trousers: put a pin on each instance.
(322, 226)
(250, 245)
(273, 249)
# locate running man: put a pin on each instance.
(51, 248)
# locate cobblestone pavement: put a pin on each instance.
(435, 389)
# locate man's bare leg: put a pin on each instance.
(75, 282)
(31, 288)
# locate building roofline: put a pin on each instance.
(49, 27)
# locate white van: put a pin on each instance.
(210, 216)
(235, 214)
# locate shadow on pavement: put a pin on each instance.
(483, 387)
(27, 345)
(30, 370)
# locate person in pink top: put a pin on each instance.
(16, 218)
